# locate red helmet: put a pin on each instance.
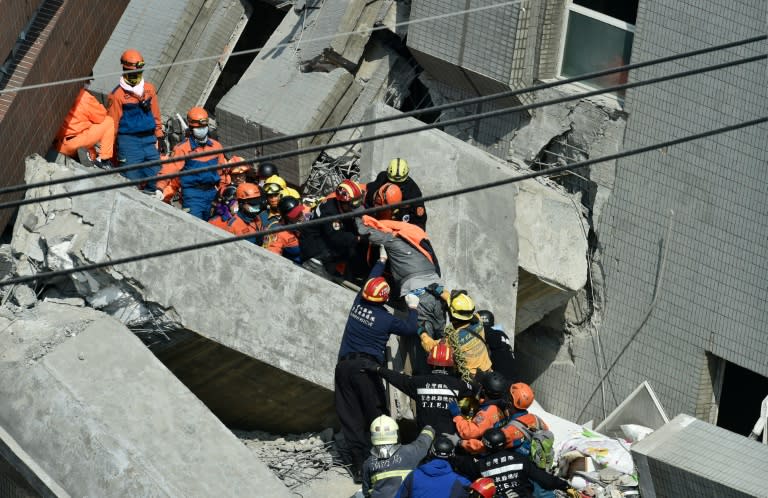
(132, 59)
(522, 395)
(389, 193)
(376, 290)
(197, 117)
(483, 487)
(349, 191)
(441, 355)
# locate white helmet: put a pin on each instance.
(383, 430)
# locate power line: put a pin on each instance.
(317, 148)
(343, 216)
(361, 31)
(414, 113)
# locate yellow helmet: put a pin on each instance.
(397, 171)
(461, 306)
(290, 192)
(276, 179)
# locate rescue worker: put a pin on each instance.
(432, 392)
(491, 412)
(259, 175)
(86, 125)
(246, 220)
(499, 346)
(359, 396)
(398, 172)
(390, 462)
(465, 332)
(414, 267)
(234, 175)
(386, 195)
(436, 477)
(482, 487)
(509, 470)
(225, 205)
(271, 215)
(287, 243)
(134, 108)
(198, 190)
(326, 244)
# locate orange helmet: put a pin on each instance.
(349, 192)
(522, 395)
(483, 487)
(389, 193)
(247, 191)
(376, 290)
(441, 355)
(132, 59)
(197, 117)
(240, 168)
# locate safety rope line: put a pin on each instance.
(428, 198)
(383, 119)
(316, 148)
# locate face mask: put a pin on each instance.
(133, 79)
(200, 134)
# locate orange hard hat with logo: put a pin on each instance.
(132, 59)
(522, 395)
(197, 117)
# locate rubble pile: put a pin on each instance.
(296, 458)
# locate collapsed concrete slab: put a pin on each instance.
(250, 333)
(274, 98)
(165, 31)
(100, 415)
(483, 237)
(339, 34)
(689, 457)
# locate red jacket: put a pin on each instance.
(86, 111)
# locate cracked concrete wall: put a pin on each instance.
(104, 418)
(274, 98)
(679, 270)
(278, 354)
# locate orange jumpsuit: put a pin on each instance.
(284, 243)
(86, 124)
(511, 432)
(238, 226)
(486, 418)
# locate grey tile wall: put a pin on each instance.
(689, 223)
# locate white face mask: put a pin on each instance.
(200, 134)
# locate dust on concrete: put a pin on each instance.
(308, 463)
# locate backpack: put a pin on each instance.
(542, 445)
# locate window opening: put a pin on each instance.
(598, 35)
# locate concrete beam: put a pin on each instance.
(261, 324)
(288, 101)
(102, 416)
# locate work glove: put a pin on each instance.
(382, 253)
(573, 493)
(435, 289)
(159, 195)
(427, 343)
(412, 300)
(162, 147)
(453, 407)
